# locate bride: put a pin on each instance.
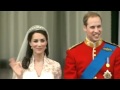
(32, 61)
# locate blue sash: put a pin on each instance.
(98, 62)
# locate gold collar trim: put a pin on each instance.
(91, 44)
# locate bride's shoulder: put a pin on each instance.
(53, 62)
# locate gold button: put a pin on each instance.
(94, 50)
(94, 55)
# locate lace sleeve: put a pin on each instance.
(58, 72)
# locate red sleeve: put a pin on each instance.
(117, 64)
(70, 67)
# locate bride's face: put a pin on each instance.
(38, 43)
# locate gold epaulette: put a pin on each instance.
(74, 45)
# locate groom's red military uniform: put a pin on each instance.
(81, 55)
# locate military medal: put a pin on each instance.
(107, 74)
(107, 64)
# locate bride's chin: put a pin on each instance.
(39, 52)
